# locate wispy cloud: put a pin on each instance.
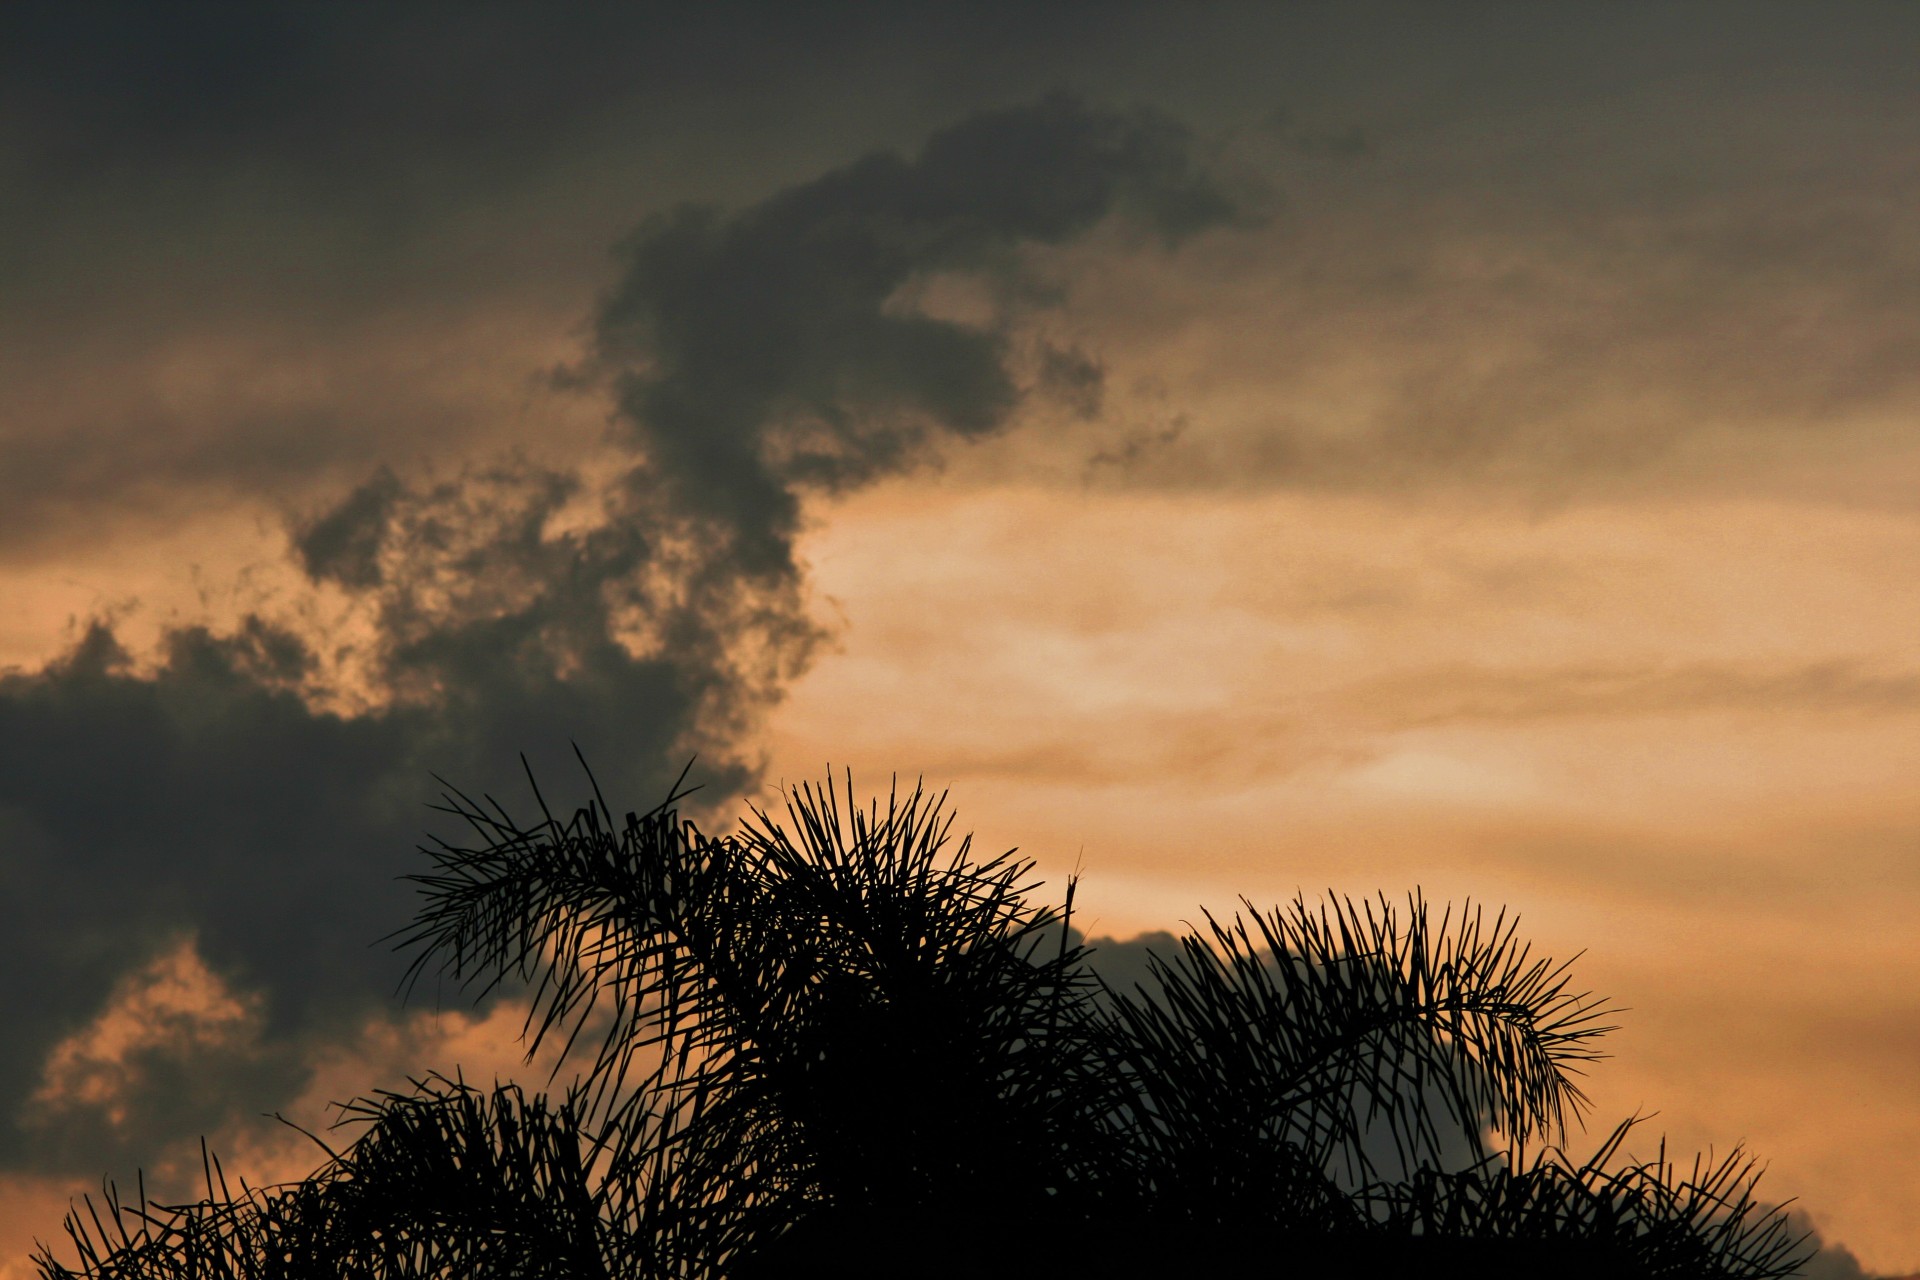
(1466, 692)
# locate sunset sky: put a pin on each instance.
(1237, 450)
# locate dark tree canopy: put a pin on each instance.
(842, 1045)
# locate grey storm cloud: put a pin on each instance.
(1831, 1260)
(333, 88)
(231, 788)
(252, 251)
(757, 356)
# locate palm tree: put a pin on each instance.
(844, 1045)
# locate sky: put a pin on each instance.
(1237, 450)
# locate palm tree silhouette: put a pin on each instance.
(842, 1045)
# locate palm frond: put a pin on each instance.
(1646, 1218)
(594, 918)
(447, 1180)
(1304, 1028)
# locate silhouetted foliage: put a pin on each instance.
(844, 1045)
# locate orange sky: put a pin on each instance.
(1680, 737)
(1504, 485)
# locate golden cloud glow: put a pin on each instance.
(174, 1007)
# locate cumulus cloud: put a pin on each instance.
(258, 787)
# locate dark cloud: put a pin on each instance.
(1574, 241)
(250, 253)
(763, 355)
(1126, 964)
(1561, 275)
(1830, 1259)
(329, 88)
(258, 789)
(205, 795)
(344, 545)
(253, 251)
(214, 795)
(314, 87)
